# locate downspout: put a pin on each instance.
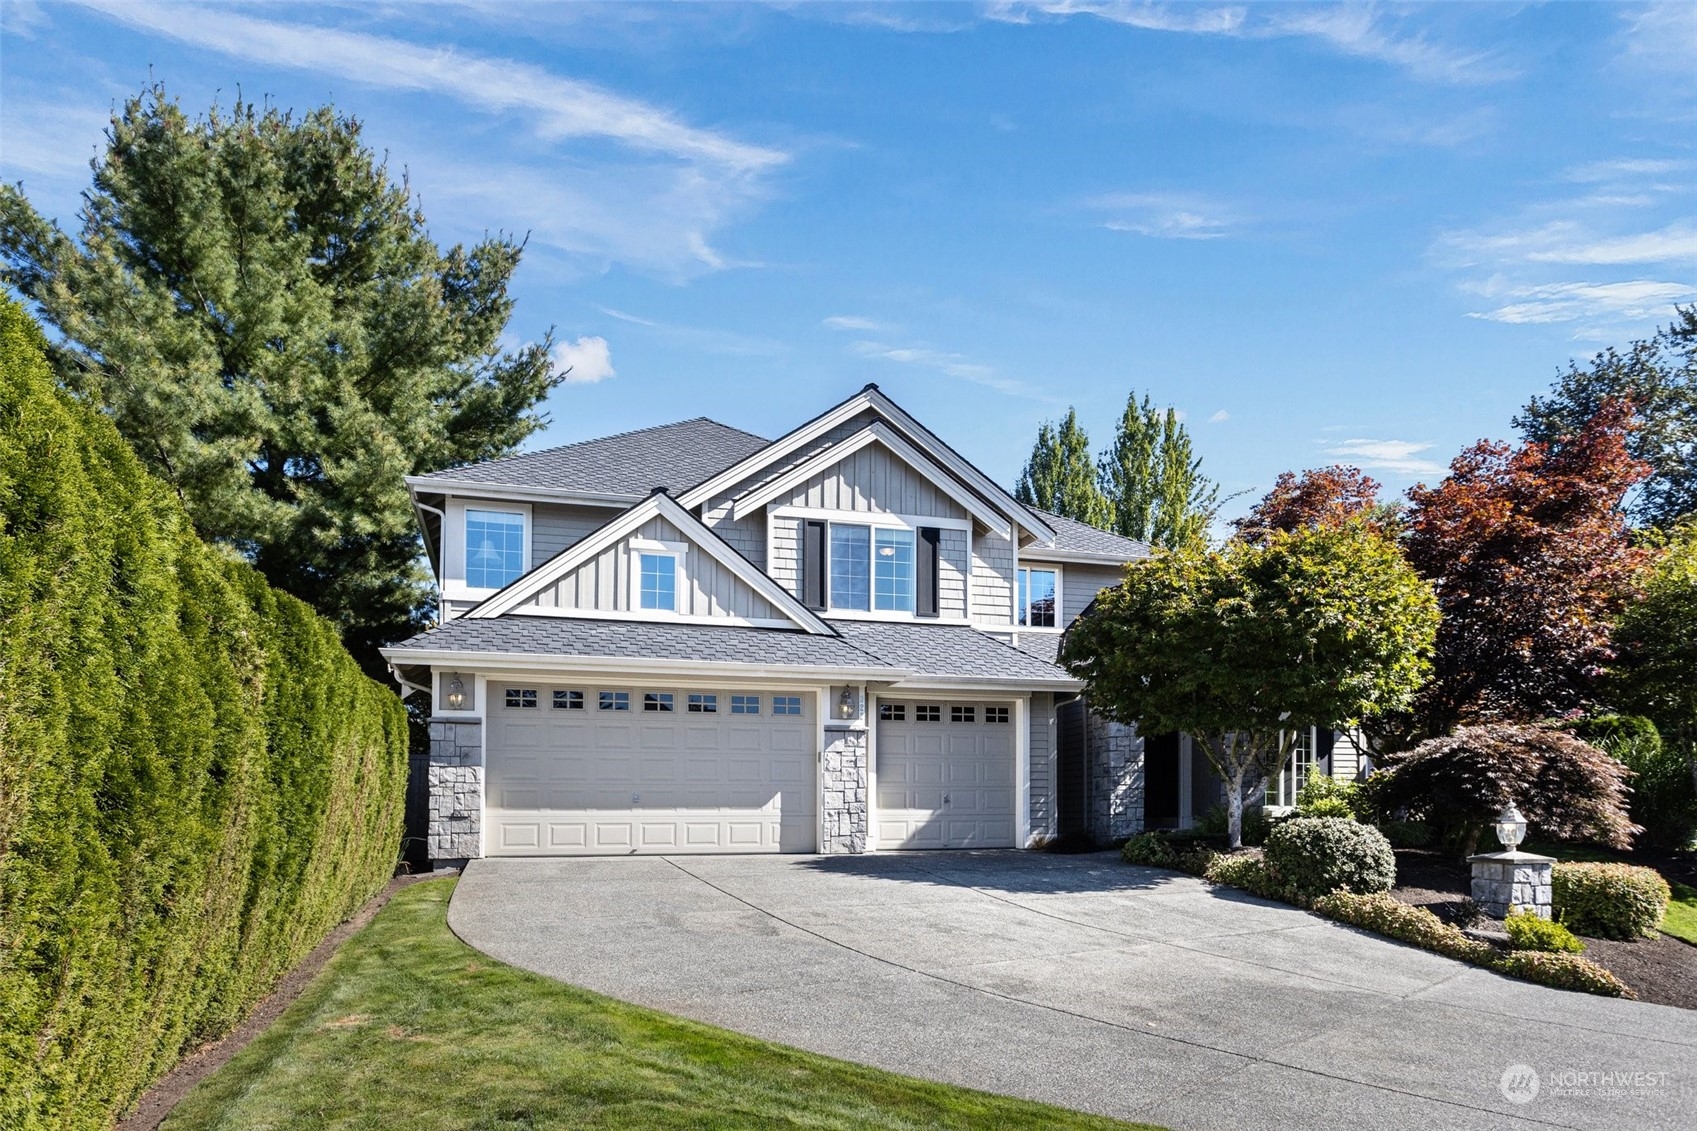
(408, 686)
(436, 558)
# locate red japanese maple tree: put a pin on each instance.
(1320, 497)
(1532, 559)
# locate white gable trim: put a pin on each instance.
(626, 525)
(911, 430)
(876, 432)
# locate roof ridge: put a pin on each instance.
(601, 439)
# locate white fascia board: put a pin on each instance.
(622, 527)
(878, 433)
(1076, 557)
(967, 682)
(704, 491)
(424, 485)
(557, 662)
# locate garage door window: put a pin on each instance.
(892, 712)
(995, 714)
(615, 700)
(568, 700)
(745, 704)
(963, 714)
(927, 713)
(704, 704)
(521, 697)
(786, 704)
(657, 701)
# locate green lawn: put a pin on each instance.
(409, 1027)
(1681, 922)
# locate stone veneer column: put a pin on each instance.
(456, 789)
(1115, 756)
(843, 779)
(1505, 880)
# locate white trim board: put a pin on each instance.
(471, 488)
(624, 526)
(530, 662)
(875, 433)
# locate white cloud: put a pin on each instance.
(1220, 417)
(1160, 215)
(583, 362)
(1359, 31)
(654, 196)
(53, 140)
(1570, 242)
(1663, 37)
(1636, 300)
(1618, 169)
(852, 322)
(1397, 456)
(941, 361)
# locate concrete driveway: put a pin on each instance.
(1087, 983)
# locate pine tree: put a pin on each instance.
(260, 310)
(1060, 476)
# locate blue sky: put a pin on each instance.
(1325, 234)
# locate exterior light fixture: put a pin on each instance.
(455, 697)
(1511, 827)
(846, 704)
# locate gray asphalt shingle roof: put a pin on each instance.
(673, 456)
(1070, 534)
(949, 651)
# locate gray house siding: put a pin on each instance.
(1080, 584)
(1042, 762)
(705, 587)
(555, 527)
(992, 579)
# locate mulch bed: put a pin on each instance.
(156, 1103)
(1661, 970)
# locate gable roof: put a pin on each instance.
(673, 456)
(1079, 539)
(627, 523)
(899, 422)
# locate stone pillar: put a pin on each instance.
(1505, 880)
(843, 777)
(1114, 753)
(456, 789)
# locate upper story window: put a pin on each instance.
(657, 585)
(494, 548)
(872, 568)
(1037, 591)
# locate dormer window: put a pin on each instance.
(494, 548)
(872, 568)
(658, 584)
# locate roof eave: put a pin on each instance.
(427, 484)
(551, 661)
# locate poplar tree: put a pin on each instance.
(1060, 476)
(257, 305)
(1152, 480)
(1185, 499)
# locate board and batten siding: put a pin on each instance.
(875, 481)
(555, 527)
(705, 587)
(1042, 762)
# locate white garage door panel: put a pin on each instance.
(563, 782)
(945, 784)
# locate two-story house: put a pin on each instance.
(691, 639)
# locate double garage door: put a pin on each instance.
(590, 770)
(945, 775)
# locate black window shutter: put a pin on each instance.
(925, 571)
(1325, 739)
(813, 564)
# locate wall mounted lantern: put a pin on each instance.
(846, 704)
(455, 697)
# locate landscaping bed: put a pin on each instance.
(409, 1027)
(1661, 969)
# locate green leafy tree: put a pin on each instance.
(1324, 625)
(1152, 479)
(1658, 376)
(1656, 638)
(1060, 477)
(260, 310)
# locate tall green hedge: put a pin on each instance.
(196, 781)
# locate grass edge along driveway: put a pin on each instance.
(408, 1027)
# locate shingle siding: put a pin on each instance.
(992, 579)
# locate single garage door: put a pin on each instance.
(945, 775)
(586, 770)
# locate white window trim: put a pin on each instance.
(885, 521)
(1277, 783)
(454, 585)
(1060, 598)
(653, 547)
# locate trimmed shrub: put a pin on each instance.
(1386, 915)
(1325, 796)
(1562, 972)
(1317, 855)
(1567, 788)
(1247, 870)
(1150, 850)
(1527, 931)
(1194, 858)
(1609, 901)
(196, 781)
